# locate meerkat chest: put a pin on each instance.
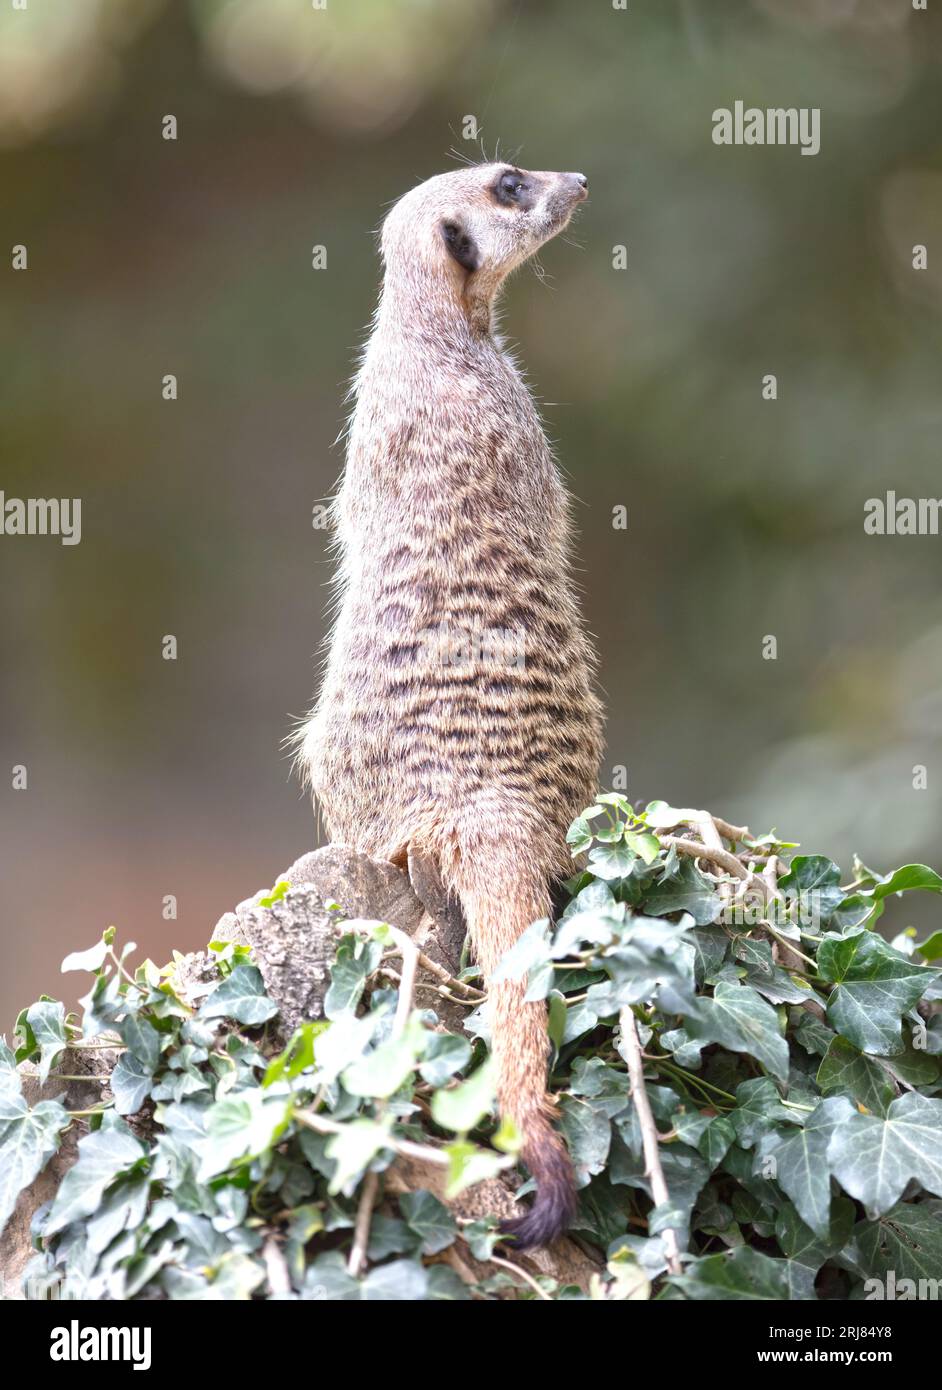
(450, 444)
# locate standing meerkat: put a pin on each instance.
(457, 720)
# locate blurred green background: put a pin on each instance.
(296, 127)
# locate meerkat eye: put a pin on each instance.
(509, 188)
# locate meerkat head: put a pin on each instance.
(460, 234)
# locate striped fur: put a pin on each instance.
(452, 524)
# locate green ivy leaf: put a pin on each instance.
(131, 1084)
(239, 1126)
(92, 959)
(348, 976)
(461, 1108)
(430, 1219)
(28, 1138)
(240, 996)
(715, 1140)
(446, 1284)
(142, 1040)
(906, 1240)
(353, 1150)
(579, 836)
(588, 1131)
(913, 1066)
(903, 880)
(234, 1279)
(122, 1208)
(529, 953)
(9, 1076)
(468, 1165)
(399, 1281)
(660, 816)
(855, 911)
(606, 1086)
(327, 1278)
(47, 1020)
(931, 948)
(816, 879)
(297, 1056)
(610, 862)
(738, 1019)
(813, 1035)
(445, 1054)
(873, 1157)
(745, 1275)
(686, 891)
(276, 895)
(801, 1160)
(346, 1039)
(103, 1156)
(846, 1070)
(103, 1004)
(646, 847)
(874, 987)
(807, 1252)
(381, 1072)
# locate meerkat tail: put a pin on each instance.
(520, 1045)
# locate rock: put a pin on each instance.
(363, 887)
(16, 1247)
(293, 941)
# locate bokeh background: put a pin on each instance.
(193, 257)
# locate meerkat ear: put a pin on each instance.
(461, 245)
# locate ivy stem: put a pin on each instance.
(672, 1067)
(630, 1049)
(423, 1153)
(361, 1230)
(789, 945)
(515, 1269)
(121, 969)
(74, 1076)
(440, 973)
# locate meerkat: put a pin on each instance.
(457, 719)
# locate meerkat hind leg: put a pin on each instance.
(448, 929)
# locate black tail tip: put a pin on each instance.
(554, 1206)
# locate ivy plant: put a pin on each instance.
(712, 994)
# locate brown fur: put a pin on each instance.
(451, 512)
